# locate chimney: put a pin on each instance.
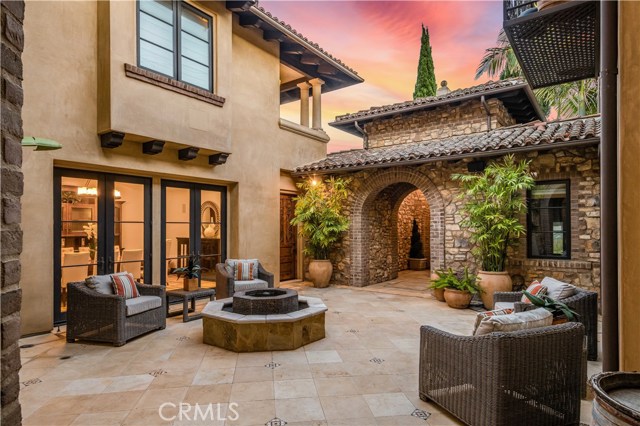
(443, 90)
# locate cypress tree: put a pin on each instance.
(426, 81)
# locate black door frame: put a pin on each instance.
(105, 224)
(195, 220)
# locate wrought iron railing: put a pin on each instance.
(515, 8)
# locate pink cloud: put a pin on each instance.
(381, 41)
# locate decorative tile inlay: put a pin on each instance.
(32, 382)
(275, 422)
(376, 360)
(352, 331)
(421, 414)
(272, 365)
(156, 373)
(183, 338)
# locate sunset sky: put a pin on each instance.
(381, 41)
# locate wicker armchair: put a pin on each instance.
(528, 378)
(585, 303)
(102, 317)
(226, 284)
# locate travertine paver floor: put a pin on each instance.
(365, 372)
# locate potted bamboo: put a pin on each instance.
(493, 203)
(319, 215)
(191, 275)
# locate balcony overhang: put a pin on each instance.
(558, 44)
(296, 52)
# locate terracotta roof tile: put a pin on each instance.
(399, 107)
(503, 139)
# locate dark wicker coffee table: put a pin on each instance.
(187, 296)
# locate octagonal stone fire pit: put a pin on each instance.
(238, 332)
(265, 302)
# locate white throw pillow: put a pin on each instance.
(518, 321)
(558, 290)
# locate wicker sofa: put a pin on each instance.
(226, 285)
(528, 378)
(103, 317)
(585, 303)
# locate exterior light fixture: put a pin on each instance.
(40, 144)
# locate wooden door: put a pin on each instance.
(288, 238)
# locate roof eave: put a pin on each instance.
(349, 127)
(475, 154)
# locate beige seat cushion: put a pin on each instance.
(517, 321)
(250, 285)
(558, 290)
(100, 283)
(141, 304)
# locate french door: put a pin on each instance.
(102, 225)
(194, 226)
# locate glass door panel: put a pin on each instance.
(193, 226)
(129, 229)
(209, 250)
(78, 230)
(177, 234)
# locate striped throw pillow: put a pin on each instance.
(125, 285)
(489, 314)
(245, 270)
(536, 289)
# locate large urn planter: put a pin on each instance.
(320, 272)
(457, 298)
(417, 264)
(491, 282)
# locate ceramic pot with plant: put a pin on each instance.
(322, 223)
(443, 280)
(493, 202)
(417, 261)
(561, 312)
(461, 291)
(190, 275)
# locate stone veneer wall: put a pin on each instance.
(11, 188)
(441, 122)
(414, 206)
(366, 255)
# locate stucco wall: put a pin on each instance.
(442, 122)
(452, 248)
(247, 70)
(629, 176)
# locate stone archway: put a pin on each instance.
(359, 240)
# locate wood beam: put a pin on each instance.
(291, 49)
(292, 84)
(250, 21)
(152, 147)
(111, 139)
(240, 6)
(272, 35)
(310, 59)
(187, 154)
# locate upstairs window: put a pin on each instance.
(174, 39)
(548, 221)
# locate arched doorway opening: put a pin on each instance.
(376, 237)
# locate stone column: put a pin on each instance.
(304, 103)
(12, 185)
(316, 85)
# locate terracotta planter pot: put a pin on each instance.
(438, 293)
(320, 272)
(417, 264)
(190, 284)
(490, 282)
(457, 299)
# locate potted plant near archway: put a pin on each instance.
(319, 213)
(493, 203)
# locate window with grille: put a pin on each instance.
(175, 39)
(548, 220)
